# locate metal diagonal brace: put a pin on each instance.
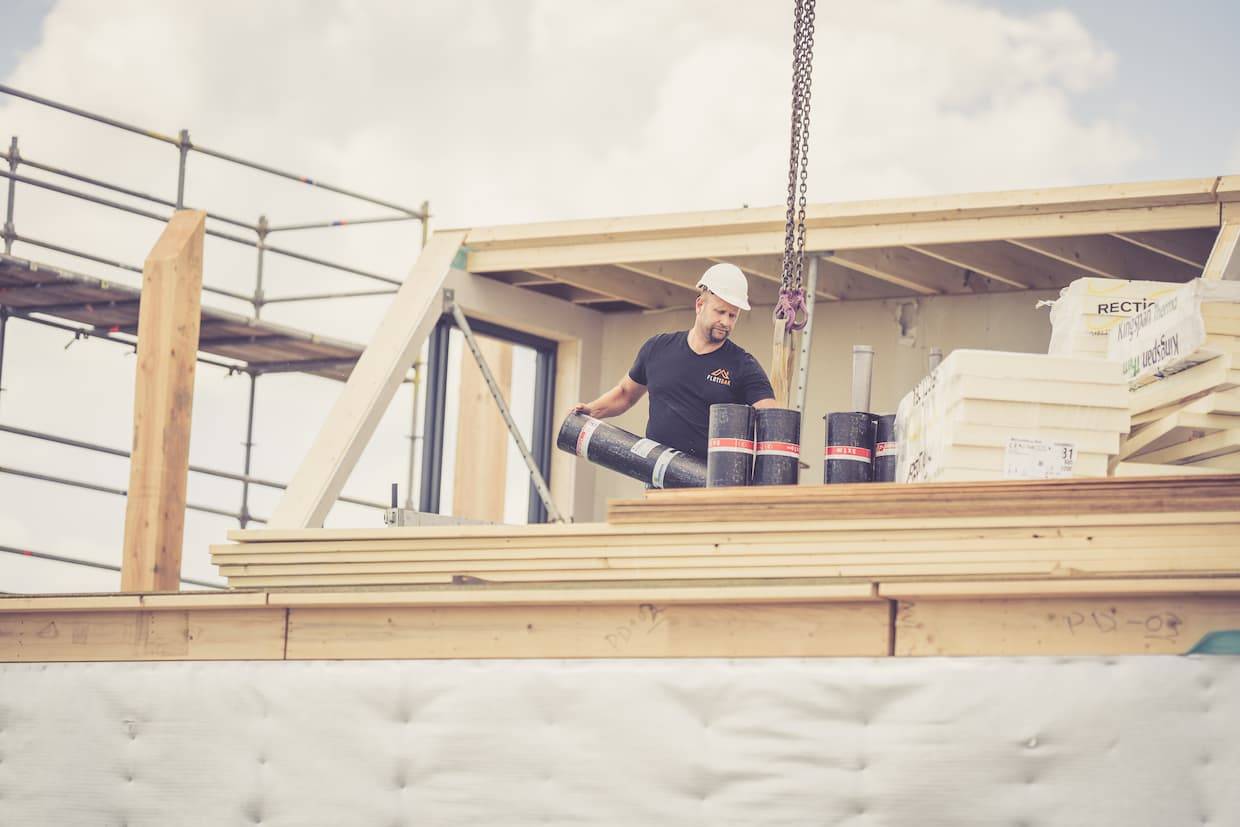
(540, 484)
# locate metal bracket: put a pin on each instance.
(540, 484)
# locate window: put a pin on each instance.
(471, 466)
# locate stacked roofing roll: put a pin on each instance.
(985, 415)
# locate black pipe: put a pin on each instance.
(778, 437)
(618, 450)
(848, 456)
(885, 448)
(729, 447)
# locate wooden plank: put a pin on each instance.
(1189, 246)
(371, 386)
(207, 634)
(1183, 386)
(663, 596)
(647, 630)
(1149, 469)
(621, 284)
(1110, 257)
(1223, 262)
(480, 481)
(1107, 625)
(168, 325)
(1195, 450)
(1020, 500)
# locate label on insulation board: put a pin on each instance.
(1037, 459)
(846, 452)
(643, 447)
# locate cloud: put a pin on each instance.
(495, 112)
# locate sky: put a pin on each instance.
(523, 110)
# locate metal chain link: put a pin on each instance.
(792, 298)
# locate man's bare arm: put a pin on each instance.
(766, 403)
(615, 402)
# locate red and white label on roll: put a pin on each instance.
(846, 452)
(740, 446)
(886, 449)
(583, 438)
(779, 449)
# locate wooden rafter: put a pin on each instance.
(1189, 246)
(620, 284)
(1010, 265)
(851, 285)
(914, 271)
(686, 274)
(1110, 257)
(769, 269)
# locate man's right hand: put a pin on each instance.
(581, 408)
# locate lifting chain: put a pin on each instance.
(791, 307)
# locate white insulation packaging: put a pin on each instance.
(1043, 742)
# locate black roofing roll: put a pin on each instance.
(729, 445)
(618, 450)
(885, 448)
(849, 452)
(777, 434)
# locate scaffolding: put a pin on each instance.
(95, 308)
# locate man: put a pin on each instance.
(688, 371)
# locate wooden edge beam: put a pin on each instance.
(1223, 262)
(999, 589)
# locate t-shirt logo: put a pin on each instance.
(719, 377)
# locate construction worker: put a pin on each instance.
(688, 371)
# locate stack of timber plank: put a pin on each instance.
(1185, 405)
(869, 534)
(991, 415)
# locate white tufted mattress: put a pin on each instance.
(967, 741)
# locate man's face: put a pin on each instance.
(715, 317)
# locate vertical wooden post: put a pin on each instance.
(168, 323)
(481, 475)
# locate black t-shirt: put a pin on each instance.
(683, 385)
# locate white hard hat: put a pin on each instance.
(728, 283)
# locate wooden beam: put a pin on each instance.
(1012, 265)
(1107, 625)
(620, 284)
(1110, 257)
(370, 388)
(597, 631)
(142, 635)
(480, 480)
(1223, 262)
(663, 246)
(168, 323)
(1189, 246)
(1133, 197)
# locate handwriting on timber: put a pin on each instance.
(648, 618)
(1159, 625)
